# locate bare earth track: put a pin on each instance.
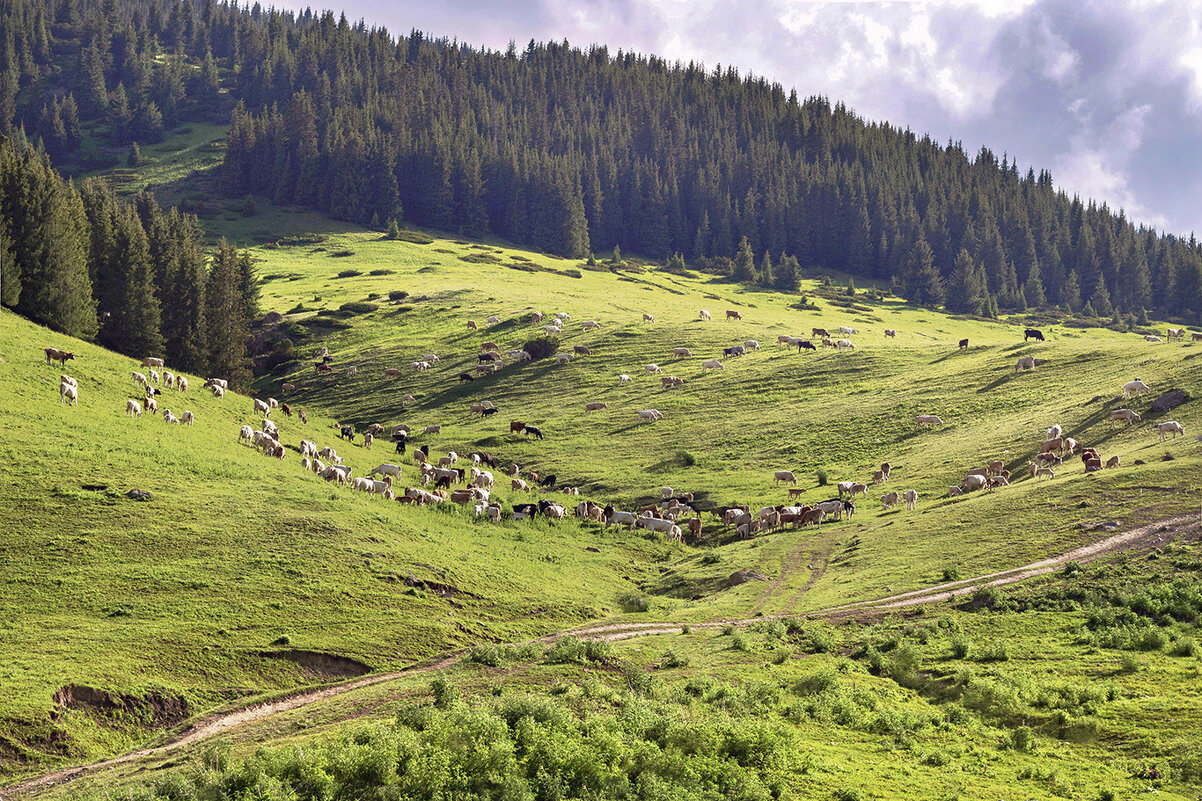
(1145, 537)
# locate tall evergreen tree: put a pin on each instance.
(766, 276)
(965, 286)
(788, 273)
(132, 315)
(925, 285)
(744, 266)
(225, 314)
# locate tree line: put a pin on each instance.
(127, 274)
(574, 151)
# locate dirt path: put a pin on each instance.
(1145, 537)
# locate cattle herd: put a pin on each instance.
(469, 479)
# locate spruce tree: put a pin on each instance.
(788, 274)
(184, 327)
(1100, 300)
(1070, 294)
(248, 285)
(744, 265)
(964, 286)
(225, 316)
(766, 277)
(1033, 288)
(133, 314)
(926, 285)
(10, 271)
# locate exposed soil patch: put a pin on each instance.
(154, 709)
(320, 666)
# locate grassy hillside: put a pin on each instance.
(236, 562)
(240, 560)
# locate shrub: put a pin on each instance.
(711, 557)
(283, 640)
(349, 274)
(951, 573)
(672, 659)
(1129, 664)
(398, 294)
(740, 642)
(341, 254)
(634, 601)
(961, 646)
(1022, 739)
(781, 655)
(728, 629)
(382, 271)
(541, 347)
(1184, 647)
(996, 651)
(358, 307)
(446, 694)
(823, 479)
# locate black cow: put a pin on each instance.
(327, 359)
(347, 433)
(964, 344)
(1032, 333)
(490, 411)
(529, 508)
(806, 344)
(401, 445)
(442, 482)
(487, 357)
(728, 351)
(548, 482)
(466, 377)
(532, 430)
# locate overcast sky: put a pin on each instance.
(1105, 95)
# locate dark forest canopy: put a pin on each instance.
(574, 151)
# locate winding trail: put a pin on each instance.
(1145, 537)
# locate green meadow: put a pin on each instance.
(244, 576)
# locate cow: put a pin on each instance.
(964, 344)
(1032, 333)
(731, 314)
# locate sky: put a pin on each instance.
(1107, 96)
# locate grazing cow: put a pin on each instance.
(785, 339)
(132, 408)
(595, 406)
(471, 325)
(1025, 363)
(807, 344)
(532, 430)
(60, 356)
(1113, 461)
(324, 368)
(845, 344)
(928, 420)
(783, 476)
(954, 491)
(581, 350)
(731, 314)
(1176, 333)
(1151, 338)
(1195, 336)
(797, 492)
(151, 361)
(889, 501)
(973, 482)
(466, 377)
(964, 344)
(1170, 427)
(890, 333)
(624, 379)
(847, 330)
(516, 426)
(752, 344)
(1135, 387)
(286, 409)
(705, 315)
(712, 364)
(1124, 415)
(910, 497)
(1032, 333)
(304, 417)
(590, 325)
(681, 353)
(669, 381)
(647, 318)
(650, 415)
(651, 368)
(286, 388)
(819, 332)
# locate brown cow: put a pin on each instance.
(516, 426)
(60, 356)
(323, 368)
(731, 314)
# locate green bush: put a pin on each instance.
(349, 274)
(358, 307)
(961, 647)
(671, 659)
(634, 601)
(342, 254)
(445, 693)
(996, 651)
(398, 294)
(541, 347)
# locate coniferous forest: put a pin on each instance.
(561, 149)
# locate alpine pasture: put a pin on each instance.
(241, 568)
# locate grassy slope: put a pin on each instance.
(840, 413)
(183, 593)
(236, 550)
(1097, 723)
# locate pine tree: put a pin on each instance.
(788, 274)
(766, 277)
(10, 271)
(964, 287)
(1100, 300)
(1033, 288)
(225, 315)
(248, 286)
(132, 310)
(926, 285)
(1070, 295)
(744, 266)
(184, 327)
(134, 157)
